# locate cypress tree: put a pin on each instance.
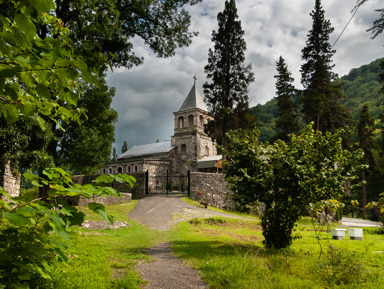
(367, 142)
(321, 94)
(124, 147)
(227, 94)
(285, 91)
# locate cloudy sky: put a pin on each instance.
(146, 96)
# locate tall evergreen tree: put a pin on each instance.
(367, 142)
(124, 147)
(227, 94)
(285, 91)
(114, 155)
(321, 93)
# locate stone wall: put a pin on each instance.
(10, 181)
(211, 188)
(106, 200)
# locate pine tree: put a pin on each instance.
(285, 91)
(367, 142)
(321, 93)
(125, 147)
(226, 95)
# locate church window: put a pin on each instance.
(119, 170)
(206, 151)
(190, 120)
(201, 120)
(181, 122)
(128, 169)
(104, 171)
(110, 170)
(183, 149)
(135, 168)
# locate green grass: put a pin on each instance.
(106, 258)
(230, 254)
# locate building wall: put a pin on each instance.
(211, 188)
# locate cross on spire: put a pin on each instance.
(194, 79)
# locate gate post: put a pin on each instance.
(146, 182)
(167, 183)
(189, 182)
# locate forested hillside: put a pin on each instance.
(361, 86)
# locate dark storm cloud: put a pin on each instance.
(147, 96)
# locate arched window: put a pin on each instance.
(119, 170)
(128, 169)
(181, 122)
(201, 120)
(190, 120)
(183, 149)
(135, 168)
(206, 151)
(104, 171)
(110, 170)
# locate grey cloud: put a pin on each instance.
(147, 96)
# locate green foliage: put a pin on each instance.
(288, 177)
(321, 96)
(86, 146)
(226, 95)
(170, 185)
(125, 146)
(285, 92)
(33, 234)
(341, 267)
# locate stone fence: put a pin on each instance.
(136, 192)
(212, 189)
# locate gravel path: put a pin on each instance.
(161, 212)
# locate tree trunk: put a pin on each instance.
(364, 195)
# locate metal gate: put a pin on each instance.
(167, 184)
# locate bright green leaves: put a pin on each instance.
(43, 5)
(100, 209)
(43, 73)
(288, 176)
(11, 113)
(26, 25)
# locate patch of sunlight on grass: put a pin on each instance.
(230, 254)
(118, 211)
(197, 204)
(106, 258)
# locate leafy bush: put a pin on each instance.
(33, 234)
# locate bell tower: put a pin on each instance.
(189, 139)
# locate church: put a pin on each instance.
(189, 149)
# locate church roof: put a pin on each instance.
(194, 100)
(147, 149)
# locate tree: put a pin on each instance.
(378, 24)
(86, 146)
(125, 147)
(37, 76)
(287, 176)
(288, 120)
(226, 95)
(367, 142)
(114, 155)
(321, 95)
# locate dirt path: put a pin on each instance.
(161, 212)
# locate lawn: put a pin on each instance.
(228, 252)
